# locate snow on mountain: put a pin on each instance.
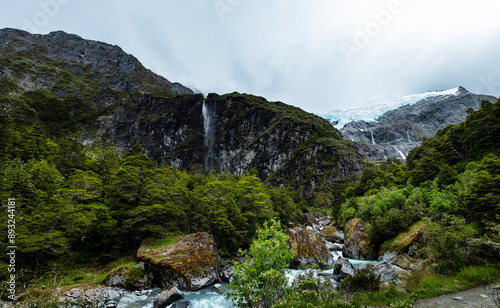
(371, 111)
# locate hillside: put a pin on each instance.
(72, 85)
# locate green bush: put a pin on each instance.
(361, 282)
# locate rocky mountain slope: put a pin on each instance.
(397, 131)
(127, 104)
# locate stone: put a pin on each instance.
(168, 297)
(330, 233)
(191, 263)
(308, 248)
(458, 298)
(129, 278)
(403, 242)
(343, 268)
(357, 244)
(219, 288)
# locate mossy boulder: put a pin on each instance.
(190, 263)
(331, 234)
(128, 277)
(307, 248)
(406, 242)
(357, 243)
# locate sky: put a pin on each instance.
(318, 55)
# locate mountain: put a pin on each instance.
(391, 128)
(101, 92)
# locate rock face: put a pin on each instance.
(398, 131)
(308, 248)
(191, 263)
(357, 243)
(128, 104)
(101, 62)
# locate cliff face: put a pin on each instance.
(234, 133)
(398, 131)
(130, 104)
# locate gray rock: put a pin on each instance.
(219, 288)
(168, 297)
(343, 267)
(398, 131)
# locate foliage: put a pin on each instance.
(446, 241)
(361, 281)
(262, 281)
(309, 291)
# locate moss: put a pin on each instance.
(404, 239)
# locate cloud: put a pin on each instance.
(292, 50)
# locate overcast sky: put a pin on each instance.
(315, 54)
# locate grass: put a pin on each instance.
(158, 243)
(425, 283)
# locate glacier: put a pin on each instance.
(372, 110)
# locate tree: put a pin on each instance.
(262, 281)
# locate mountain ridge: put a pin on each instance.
(122, 102)
(395, 132)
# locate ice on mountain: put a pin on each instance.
(371, 111)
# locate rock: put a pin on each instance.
(168, 297)
(343, 268)
(334, 246)
(227, 271)
(403, 261)
(480, 249)
(308, 248)
(191, 263)
(403, 243)
(219, 288)
(390, 273)
(330, 233)
(458, 298)
(357, 244)
(185, 304)
(131, 301)
(129, 278)
(395, 133)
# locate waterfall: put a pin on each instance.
(373, 140)
(403, 156)
(209, 117)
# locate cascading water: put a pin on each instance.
(209, 117)
(373, 139)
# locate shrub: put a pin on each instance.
(361, 281)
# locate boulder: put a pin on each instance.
(343, 268)
(406, 242)
(129, 278)
(330, 233)
(168, 297)
(357, 243)
(309, 219)
(190, 263)
(308, 248)
(219, 288)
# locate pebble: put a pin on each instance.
(458, 298)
